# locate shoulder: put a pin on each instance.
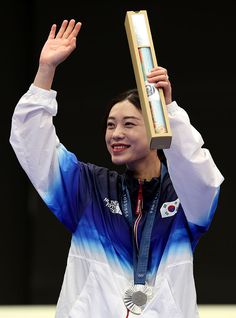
(167, 188)
(100, 173)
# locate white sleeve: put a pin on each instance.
(52, 169)
(195, 177)
(33, 136)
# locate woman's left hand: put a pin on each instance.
(160, 78)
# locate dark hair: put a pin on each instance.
(132, 96)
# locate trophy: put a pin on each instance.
(152, 99)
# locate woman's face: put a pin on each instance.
(126, 136)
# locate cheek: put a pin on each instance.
(142, 139)
(107, 137)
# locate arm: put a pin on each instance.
(193, 172)
(33, 135)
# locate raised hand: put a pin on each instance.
(55, 50)
(160, 78)
(59, 46)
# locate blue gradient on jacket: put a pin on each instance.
(196, 230)
(183, 238)
(69, 200)
(63, 188)
(94, 242)
(174, 240)
(213, 207)
(103, 237)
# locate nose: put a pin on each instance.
(118, 133)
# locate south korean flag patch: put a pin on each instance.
(169, 208)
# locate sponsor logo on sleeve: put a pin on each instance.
(169, 209)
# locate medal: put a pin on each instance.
(136, 297)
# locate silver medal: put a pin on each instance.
(136, 297)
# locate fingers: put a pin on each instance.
(157, 75)
(52, 32)
(68, 30)
(75, 30)
(159, 70)
(62, 29)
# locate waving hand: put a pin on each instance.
(55, 50)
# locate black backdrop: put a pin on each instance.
(194, 41)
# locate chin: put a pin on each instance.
(118, 161)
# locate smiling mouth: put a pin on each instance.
(119, 148)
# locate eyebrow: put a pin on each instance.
(126, 117)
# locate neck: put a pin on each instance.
(147, 170)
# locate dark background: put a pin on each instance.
(194, 41)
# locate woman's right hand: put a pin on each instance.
(55, 50)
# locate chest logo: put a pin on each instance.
(113, 206)
(169, 208)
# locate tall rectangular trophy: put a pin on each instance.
(152, 99)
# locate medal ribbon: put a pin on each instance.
(141, 255)
(139, 208)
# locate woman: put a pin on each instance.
(133, 235)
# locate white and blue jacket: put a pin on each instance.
(86, 199)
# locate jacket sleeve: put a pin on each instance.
(195, 177)
(52, 169)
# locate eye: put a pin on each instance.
(129, 124)
(110, 125)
